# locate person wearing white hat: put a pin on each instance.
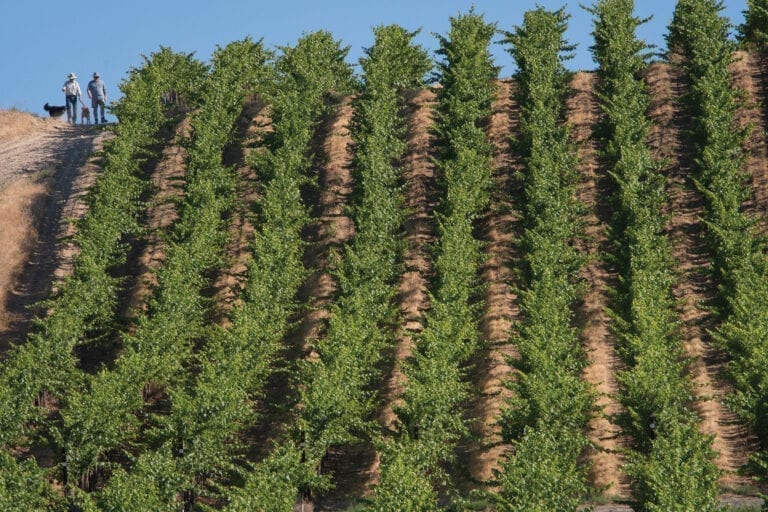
(71, 90)
(97, 91)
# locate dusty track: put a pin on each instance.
(694, 289)
(420, 200)
(605, 457)
(501, 229)
(167, 179)
(46, 168)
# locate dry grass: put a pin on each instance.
(16, 124)
(18, 233)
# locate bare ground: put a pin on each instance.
(420, 201)
(249, 129)
(694, 289)
(45, 171)
(331, 228)
(168, 180)
(501, 228)
(750, 74)
(605, 456)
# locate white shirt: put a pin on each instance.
(71, 88)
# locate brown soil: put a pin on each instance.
(15, 124)
(420, 201)
(19, 203)
(45, 172)
(168, 180)
(501, 228)
(605, 456)
(694, 289)
(331, 227)
(330, 230)
(750, 74)
(249, 130)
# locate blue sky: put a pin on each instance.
(44, 40)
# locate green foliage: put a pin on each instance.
(436, 387)
(273, 483)
(706, 37)
(102, 416)
(315, 67)
(678, 475)
(84, 306)
(338, 404)
(402, 485)
(539, 51)
(467, 73)
(394, 62)
(654, 386)
(754, 30)
(546, 416)
(175, 77)
(543, 475)
(306, 73)
(152, 484)
(23, 486)
(739, 261)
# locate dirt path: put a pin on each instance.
(750, 74)
(249, 129)
(420, 200)
(168, 181)
(694, 289)
(501, 229)
(46, 168)
(605, 456)
(331, 228)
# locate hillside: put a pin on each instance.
(160, 428)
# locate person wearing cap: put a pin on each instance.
(97, 91)
(71, 90)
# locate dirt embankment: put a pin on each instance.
(750, 74)
(695, 288)
(608, 441)
(501, 229)
(46, 168)
(420, 201)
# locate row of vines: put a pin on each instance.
(738, 249)
(191, 428)
(671, 465)
(44, 370)
(547, 415)
(414, 461)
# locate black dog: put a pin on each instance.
(54, 111)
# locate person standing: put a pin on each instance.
(97, 91)
(71, 92)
